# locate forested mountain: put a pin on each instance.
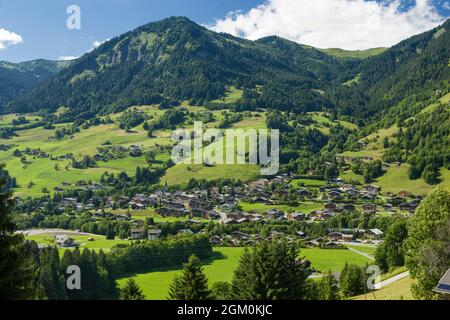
(417, 67)
(176, 59)
(19, 78)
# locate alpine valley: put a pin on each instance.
(365, 149)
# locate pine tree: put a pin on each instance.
(192, 284)
(131, 291)
(352, 280)
(271, 271)
(328, 287)
(13, 277)
(221, 290)
(51, 281)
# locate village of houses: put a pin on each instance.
(223, 206)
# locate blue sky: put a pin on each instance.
(37, 29)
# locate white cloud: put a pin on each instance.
(347, 24)
(446, 5)
(97, 43)
(67, 58)
(9, 38)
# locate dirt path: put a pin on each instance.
(389, 281)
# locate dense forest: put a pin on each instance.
(20, 78)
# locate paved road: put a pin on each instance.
(389, 281)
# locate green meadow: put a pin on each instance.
(155, 284)
(400, 290)
(308, 183)
(150, 213)
(365, 249)
(36, 174)
(305, 207)
(98, 243)
(396, 179)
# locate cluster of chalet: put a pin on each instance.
(239, 239)
(223, 203)
(197, 203)
(74, 204)
(348, 191)
(334, 239)
(80, 186)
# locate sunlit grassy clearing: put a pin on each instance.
(155, 285)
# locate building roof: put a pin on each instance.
(444, 284)
(377, 232)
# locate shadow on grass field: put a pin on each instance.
(221, 266)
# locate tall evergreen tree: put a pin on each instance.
(328, 287)
(13, 277)
(352, 280)
(192, 284)
(272, 271)
(51, 281)
(131, 291)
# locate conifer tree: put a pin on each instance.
(51, 281)
(272, 271)
(191, 284)
(13, 277)
(328, 287)
(131, 291)
(352, 280)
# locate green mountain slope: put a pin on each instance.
(417, 67)
(176, 59)
(19, 78)
(353, 54)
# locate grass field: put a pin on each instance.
(400, 290)
(430, 108)
(183, 173)
(356, 54)
(350, 176)
(221, 268)
(150, 213)
(307, 182)
(393, 273)
(43, 173)
(6, 120)
(323, 123)
(396, 179)
(232, 95)
(99, 242)
(366, 249)
(155, 285)
(334, 260)
(376, 139)
(305, 207)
